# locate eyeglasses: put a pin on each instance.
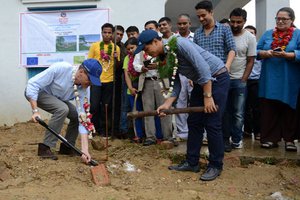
(283, 19)
(182, 23)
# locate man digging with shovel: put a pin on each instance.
(211, 83)
(52, 90)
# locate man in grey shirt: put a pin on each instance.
(211, 86)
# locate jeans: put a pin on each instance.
(138, 121)
(234, 112)
(125, 108)
(212, 122)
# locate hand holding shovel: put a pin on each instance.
(64, 140)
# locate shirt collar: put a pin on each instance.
(217, 24)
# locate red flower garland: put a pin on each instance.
(281, 38)
(131, 69)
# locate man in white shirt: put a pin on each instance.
(240, 70)
(151, 94)
(183, 26)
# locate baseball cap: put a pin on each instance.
(145, 37)
(94, 70)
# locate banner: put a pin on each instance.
(49, 37)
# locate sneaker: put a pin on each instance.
(204, 140)
(182, 136)
(238, 145)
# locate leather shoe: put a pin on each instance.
(44, 151)
(65, 150)
(149, 142)
(185, 166)
(210, 174)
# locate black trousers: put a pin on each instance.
(101, 95)
(252, 111)
(278, 120)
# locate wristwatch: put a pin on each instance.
(207, 94)
(35, 111)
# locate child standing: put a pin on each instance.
(131, 78)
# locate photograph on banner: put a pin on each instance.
(49, 37)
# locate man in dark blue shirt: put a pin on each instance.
(211, 83)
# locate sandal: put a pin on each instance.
(290, 146)
(268, 145)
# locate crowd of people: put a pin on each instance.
(246, 88)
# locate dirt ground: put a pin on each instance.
(135, 172)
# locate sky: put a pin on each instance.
(250, 8)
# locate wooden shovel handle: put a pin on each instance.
(136, 114)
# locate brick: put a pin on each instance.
(100, 175)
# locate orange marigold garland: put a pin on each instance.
(282, 38)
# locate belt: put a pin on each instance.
(153, 78)
(221, 71)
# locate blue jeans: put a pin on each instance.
(125, 108)
(138, 121)
(234, 112)
(212, 122)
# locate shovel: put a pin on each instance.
(64, 140)
(99, 172)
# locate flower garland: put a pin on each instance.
(105, 57)
(282, 38)
(84, 117)
(168, 66)
(134, 74)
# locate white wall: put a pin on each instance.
(13, 106)
(266, 12)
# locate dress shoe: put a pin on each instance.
(149, 142)
(210, 174)
(185, 166)
(65, 150)
(44, 151)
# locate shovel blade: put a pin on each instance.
(100, 175)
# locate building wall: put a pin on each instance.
(13, 106)
(266, 12)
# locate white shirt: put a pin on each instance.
(245, 46)
(138, 64)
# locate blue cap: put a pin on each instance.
(94, 70)
(145, 37)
